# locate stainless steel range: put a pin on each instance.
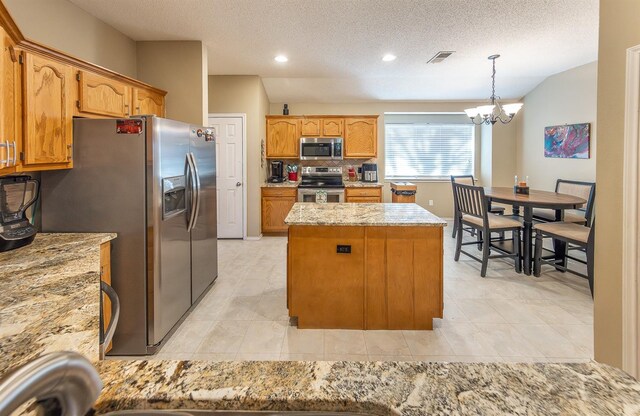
(321, 184)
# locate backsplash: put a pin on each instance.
(345, 164)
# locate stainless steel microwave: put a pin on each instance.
(321, 148)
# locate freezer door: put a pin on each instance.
(169, 253)
(105, 192)
(204, 235)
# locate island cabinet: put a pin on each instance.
(283, 138)
(373, 194)
(276, 204)
(378, 266)
(361, 137)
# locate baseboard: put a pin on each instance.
(248, 238)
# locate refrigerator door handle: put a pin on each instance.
(190, 176)
(196, 181)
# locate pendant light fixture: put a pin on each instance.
(491, 113)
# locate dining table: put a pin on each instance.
(534, 199)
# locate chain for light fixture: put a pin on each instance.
(490, 114)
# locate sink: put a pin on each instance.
(186, 412)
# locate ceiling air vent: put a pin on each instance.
(440, 56)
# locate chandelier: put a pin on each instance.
(493, 112)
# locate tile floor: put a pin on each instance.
(503, 317)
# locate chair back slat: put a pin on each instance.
(470, 200)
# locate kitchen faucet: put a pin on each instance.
(62, 383)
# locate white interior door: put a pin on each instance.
(229, 161)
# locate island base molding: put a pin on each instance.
(358, 277)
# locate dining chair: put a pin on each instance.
(472, 208)
(467, 180)
(581, 215)
(576, 236)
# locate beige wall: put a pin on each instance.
(245, 94)
(179, 67)
(438, 191)
(619, 30)
(66, 27)
(565, 98)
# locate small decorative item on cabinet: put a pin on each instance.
(285, 110)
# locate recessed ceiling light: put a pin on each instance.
(388, 58)
(281, 58)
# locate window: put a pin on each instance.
(424, 150)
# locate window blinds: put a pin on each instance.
(428, 151)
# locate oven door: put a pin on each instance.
(316, 194)
(316, 148)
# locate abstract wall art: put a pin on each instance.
(568, 141)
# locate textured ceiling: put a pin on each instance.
(335, 46)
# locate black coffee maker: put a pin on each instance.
(17, 194)
(276, 169)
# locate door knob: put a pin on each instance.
(238, 183)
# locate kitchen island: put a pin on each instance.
(364, 266)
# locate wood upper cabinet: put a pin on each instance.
(147, 102)
(10, 140)
(361, 137)
(48, 112)
(332, 127)
(311, 127)
(283, 138)
(276, 204)
(99, 95)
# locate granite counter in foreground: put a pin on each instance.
(356, 214)
(380, 388)
(50, 297)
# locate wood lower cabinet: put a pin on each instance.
(373, 194)
(10, 95)
(102, 96)
(361, 137)
(105, 276)
(389, 278)
(48, 113)
(276, 204)
(283, 138)
(146, 102)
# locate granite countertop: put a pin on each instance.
(285, 184)
(50, 297)
(360, 184)
(373, 214)
(380, 388)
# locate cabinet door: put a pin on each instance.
(10, 142)
(147, 103)
(361, 137)
(274, 211)
(102, 96)
(332, 127)
(48, 112)
(283, 138)
(311, 127)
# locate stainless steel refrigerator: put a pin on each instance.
(153, 182)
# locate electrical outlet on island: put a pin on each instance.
(431, 202)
